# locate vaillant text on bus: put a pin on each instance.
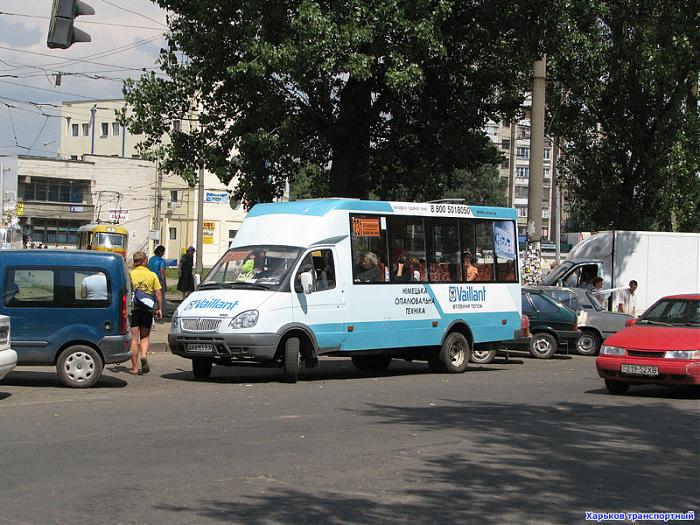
(215, 304)
(467, 297)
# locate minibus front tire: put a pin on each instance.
(292, 360)
(201, 367)
(453, 356)
(79, 366)
(371, 363)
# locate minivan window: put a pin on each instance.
(56, 288)
(322, 267)
(264, 267)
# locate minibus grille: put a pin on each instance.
(200, 324)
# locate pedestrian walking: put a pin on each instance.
(186, 281)
(158, 265)
(147, 304)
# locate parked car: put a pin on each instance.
(594, 321)
(661, 347)
(8, 357)
(552, 325)
(485, 354)
(69, 309)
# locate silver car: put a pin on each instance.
(594, 320)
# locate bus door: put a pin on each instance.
(321, 306)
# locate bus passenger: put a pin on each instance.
(471, 271)
(370, 272)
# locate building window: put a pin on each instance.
(75, 130)
(73, 157)
(545, 194)
(546, 153)
(492, 131)
(54, 231)
(232, 234)
(54, 190)
(545, 173)
(523, 153)
(523, 132)
(521, 191)
(522, 211)
(86, 130)
(522, 172)
(105, 129)
(505, 164)
(505, 144)
(173, 234)
(115, 129)
(177, 125)
(173, 196)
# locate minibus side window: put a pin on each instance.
(484, 251)
(505, 246)
(322, 267)
(407, 240)
(369, 249)
(443, 254)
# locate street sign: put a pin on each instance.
(118, 215)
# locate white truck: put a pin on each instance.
(661, 263)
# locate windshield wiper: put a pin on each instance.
(655, 323)
(218, 284)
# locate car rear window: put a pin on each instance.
(34, 287)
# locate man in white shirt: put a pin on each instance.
(627, 301)
(94, 287)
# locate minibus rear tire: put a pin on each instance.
(292, 360)
(453, 357)
(201, 367)
(371, 363)
(79, 366)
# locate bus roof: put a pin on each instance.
(104, 228)
(321, 207)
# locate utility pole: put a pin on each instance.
(200, 221)
(511, 165)
(555, 207)
(93, 111)
(159, 198)
(534, 194)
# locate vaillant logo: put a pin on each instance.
(217, 304)
(467, 294)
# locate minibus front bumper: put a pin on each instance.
(253, 347)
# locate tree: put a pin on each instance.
(623, 114)
(367, 95)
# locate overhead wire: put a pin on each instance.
(133, 12)
(81, 21)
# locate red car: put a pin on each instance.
(661, 347)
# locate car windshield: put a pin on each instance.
(257, 267)
(674, 312)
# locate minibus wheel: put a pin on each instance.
(371, 363)
(453, 357)
(201, 367)
(292, 360)
(79, 366)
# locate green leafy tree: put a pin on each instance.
(622, 112)
(361, 96)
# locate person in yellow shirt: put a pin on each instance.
(143, 311)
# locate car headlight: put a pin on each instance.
(175, 323)
(245, 319)
(682, 354)
(611, 350)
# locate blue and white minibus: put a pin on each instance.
(371, 280)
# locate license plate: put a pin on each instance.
(639, 370)
(200, 348)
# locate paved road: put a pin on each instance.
(523, 442)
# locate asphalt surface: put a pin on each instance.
(521, 442)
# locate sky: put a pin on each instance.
(126, 37)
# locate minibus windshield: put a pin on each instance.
(110, 240)
(254, 267)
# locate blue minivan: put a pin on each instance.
(68, 309)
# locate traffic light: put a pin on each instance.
(62, 33)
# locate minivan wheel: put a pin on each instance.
(483, 357)
(201, 367)
(79, 366)
(292, 361)
(453, 357)
(616, 387)
(543, 345)
(371, 363)
(589, 343)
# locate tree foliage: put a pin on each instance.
(622, 112)
(384, 97)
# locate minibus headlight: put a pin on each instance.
(176, 321)
(245, 319)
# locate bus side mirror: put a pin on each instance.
(307, 282)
